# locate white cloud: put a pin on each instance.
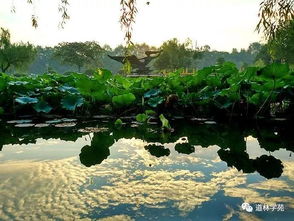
(38, 190)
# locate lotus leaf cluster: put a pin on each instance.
(218, 90)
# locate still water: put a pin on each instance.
(92, 171)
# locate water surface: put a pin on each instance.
(199, 172)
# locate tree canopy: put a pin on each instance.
(282, 46)
(18, 55)
(274, 15)
(176, 55)
(79, 53)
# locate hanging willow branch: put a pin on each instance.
(273, 15)
(62, 8)
(127, 18)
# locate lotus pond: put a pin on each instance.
(89, 170)
(216, 91)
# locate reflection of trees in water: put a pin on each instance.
(157, 150)
(184, 148)
(97, 151)
(230, 138)
(272, 139)
(267, 166)
(29, 135)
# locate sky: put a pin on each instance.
(221, 24)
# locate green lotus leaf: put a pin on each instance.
(141, 118)
(71, 102)
(275, 70)
(103, 74)
(255, 99)
(123, 81)
(150, 112)
(118, 123)
(155, 101)
(123, 100)
(68, 89)
(42, 106)
(152, 93)
(48, 88)
(88, 87)
(18, 83)
(26, 100)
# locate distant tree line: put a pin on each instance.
(88, 56)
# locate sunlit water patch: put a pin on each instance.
(199, 172)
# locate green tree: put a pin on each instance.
(282, 46)
(17, 56)
(176, 55)
(254, 48)
(80, 54)
(274, 15)
(264, 54)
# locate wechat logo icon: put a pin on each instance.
(247, 207)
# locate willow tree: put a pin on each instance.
(273, 14)
(127, 18)
(14, 55)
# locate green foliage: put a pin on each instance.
(141, 118)
(17, 55)
(42, 106)
(274, 14)
(275, 70)
(151, 93)
(127, 67)
(69, 89)
(220, 89)
(79, 53)
(150, 112)
(1, 111)
(176, 55)
(71, 102)
(118, 123)
(26, 100)
(282, 46)
(164, 122)
(123, 100)
(155, 101)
